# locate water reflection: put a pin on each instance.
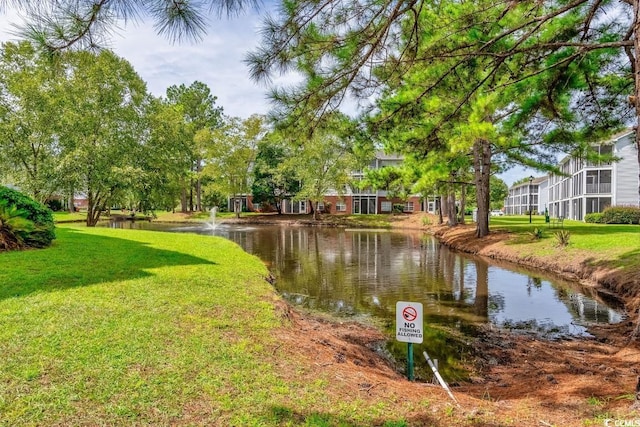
(360, 272)
(353, 272)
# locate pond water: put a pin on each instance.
(356, 272)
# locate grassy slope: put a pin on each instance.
(110, 326)
(125, 327)
(606, 245)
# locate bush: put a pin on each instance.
(14, 227)
(398, 208)
(54, 204)
(536, 234)
(43, 232)
(562, 238)
(621, 215)
(594, 218)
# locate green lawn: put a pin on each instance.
(62, 217)
(126, 327)
(112, 326)
(612, 245)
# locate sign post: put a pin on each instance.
(409, 329)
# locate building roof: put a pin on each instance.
(380, 155)
(536, 181)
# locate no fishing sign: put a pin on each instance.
(409, 322)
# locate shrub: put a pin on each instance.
(398, 208)
(594, 218)
(426, 220)
(562, 237)
(54, 204)
(536, 234)
(14, 226)
(621, 215)
(43, 232)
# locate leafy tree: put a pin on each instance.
(88, 24)
(200, 112)
(164, 158)
(28, 108)
(231, 154)
(272, 181)
(499, 192)
(100, 127)
(561, 55)
(397, 181)
(322, 163)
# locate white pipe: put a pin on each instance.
(439, 377)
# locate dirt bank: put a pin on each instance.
(621, 284)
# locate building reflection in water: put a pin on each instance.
(365, 272)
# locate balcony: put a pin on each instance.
(604, 188)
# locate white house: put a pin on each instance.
(592, 187)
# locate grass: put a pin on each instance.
(611, 244)
(62, 217)
(121, 327)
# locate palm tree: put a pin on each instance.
(14, 226)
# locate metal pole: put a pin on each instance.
(530, 182)
(410, 361)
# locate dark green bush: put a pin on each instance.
(621, 215)
(43, 233)
(54, 204)
(594, 218)
(14, 227)
(398, 208)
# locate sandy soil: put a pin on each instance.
(516, 380)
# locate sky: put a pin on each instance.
(217, 61)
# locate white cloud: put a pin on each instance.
(216, 61)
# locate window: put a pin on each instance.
(341, 207)
(408, 207)
(320, 206)
(386, 206)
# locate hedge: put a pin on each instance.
(621, 215)
(594, 218)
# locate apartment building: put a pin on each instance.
(584, 187)
(591, 187)
(531, 194)
(355, 200)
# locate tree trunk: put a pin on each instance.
(90, 207)
(482, 173)
(636, 75)
(440, 219)
(199, 187)
(463, 198)
(94, 206)
(71, 202)
(183, 197)
(452, 215)
(636, 71)
(313, 211)
(237, 205)
(190, 194)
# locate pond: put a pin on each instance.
(363, 273)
